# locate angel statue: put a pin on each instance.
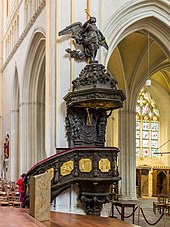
(87, 35)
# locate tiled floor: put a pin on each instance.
(147, 205)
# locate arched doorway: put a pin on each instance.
(33, 104)
(161, 183)
(142, 180)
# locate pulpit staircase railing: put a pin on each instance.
(93, 168)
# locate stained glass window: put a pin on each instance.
(147, 126)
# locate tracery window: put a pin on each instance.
(30, 7)
(147, 126)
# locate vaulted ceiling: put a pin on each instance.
(138, 57)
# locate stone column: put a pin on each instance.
(29, 10)
(150, 180)
(23, 119)
(127, 156)
(50, 82)
(14, 146)
(1, 63)
(168, 182)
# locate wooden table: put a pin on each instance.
(123, 205)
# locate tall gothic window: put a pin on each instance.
(147, 126)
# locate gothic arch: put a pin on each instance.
(33, 102)
(124, 23)
(121, 21)
(14, 151)
(134, 16)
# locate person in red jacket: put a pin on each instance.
(21, 188)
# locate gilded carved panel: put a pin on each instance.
(85, 165)
(67, 168)
(104, 165)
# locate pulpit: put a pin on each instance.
(93, 97)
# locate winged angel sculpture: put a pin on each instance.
(87, 35)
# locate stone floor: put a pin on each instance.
(147, 205)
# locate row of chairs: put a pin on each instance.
(9, 199)
(9, 195)
(162, 205)
(7, 185)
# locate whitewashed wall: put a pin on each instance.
(60, 70)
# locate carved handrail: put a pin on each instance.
(82, 165)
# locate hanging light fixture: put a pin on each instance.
(148, 82)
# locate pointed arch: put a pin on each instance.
(152, 16)
(14, 151)
(33, 103)
(144, 15)
(123, 22)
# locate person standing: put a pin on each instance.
(21, 188)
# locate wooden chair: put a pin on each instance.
(16, 201)
(11, 197)
(160, 205)
(4, 199)
(168, 206)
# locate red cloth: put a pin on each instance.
(21, 185)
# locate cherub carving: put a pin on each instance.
(87, 35)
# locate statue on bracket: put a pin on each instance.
(89, 36)
(6, 147)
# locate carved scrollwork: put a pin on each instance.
(94, 74)
(85, 127)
